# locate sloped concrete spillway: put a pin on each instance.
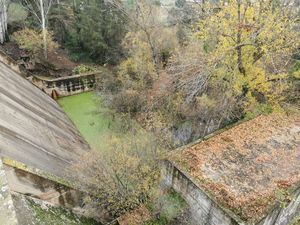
(33, 128)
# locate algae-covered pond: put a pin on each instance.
(85, 112)
(101, 128)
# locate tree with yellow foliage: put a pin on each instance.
(32, 41)
(123, 173)
(249, 46)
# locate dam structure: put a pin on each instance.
(38, 146)
(246, 174)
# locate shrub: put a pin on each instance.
(128, 101)
(108, 84)
(136, 74)
(16, 13)
(166, 207)
(123, 173)
(83, 69)
(32, 41)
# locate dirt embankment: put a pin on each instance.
(57, 64)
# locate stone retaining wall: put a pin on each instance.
(285, 214)
(67, 86)
(205, 211)
(59, 87)
(29, 184)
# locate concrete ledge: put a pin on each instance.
(22, 166)
(204, 207)
(66, 86)
(7, 211)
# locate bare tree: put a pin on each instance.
(145, 20)
(40, 9)
(3, 19)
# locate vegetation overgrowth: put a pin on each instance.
(177, 73)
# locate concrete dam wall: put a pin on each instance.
(34, 130)
(205, 210)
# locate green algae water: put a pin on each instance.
(102, 129)
(85, 112)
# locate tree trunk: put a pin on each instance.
(44, 30)
(153, 53)
(3, 20)
(238, 39)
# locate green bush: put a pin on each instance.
(16, 13)
(166, 208)
(84, 69)
(32, 41)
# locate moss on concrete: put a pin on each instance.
(57, 215)
(38, 172)
(296, 221)
(171, 206)
(33, 211)
(7, 211)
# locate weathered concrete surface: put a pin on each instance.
(38, 187)
(245, 166)
(18, 209)
(33, 128)
(204, 210)
(66, 86)
(284, 215)
(7, 212)
(31, 211)
(248, 174)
